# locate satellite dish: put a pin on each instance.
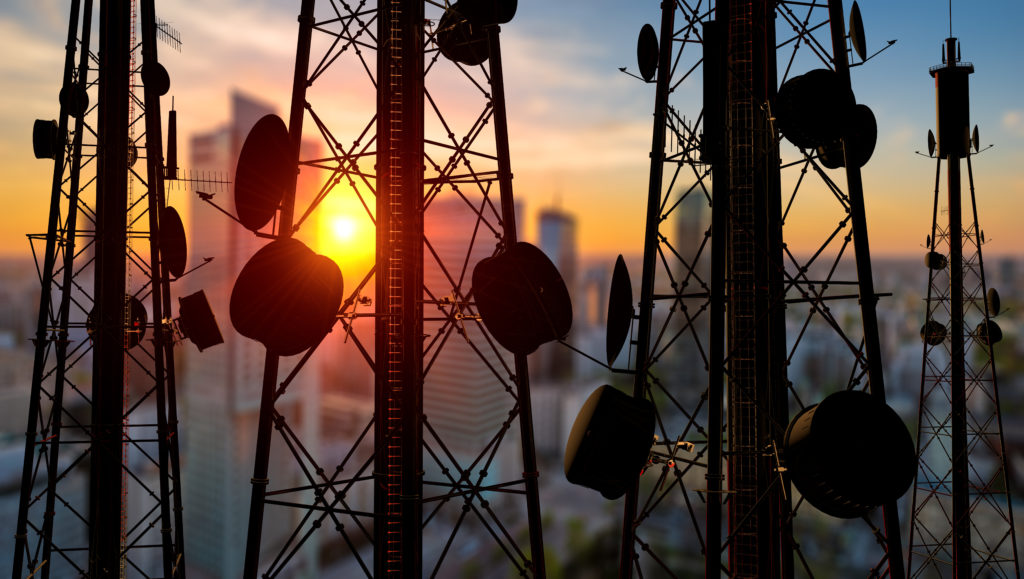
(155, 76)
(173, 249)
(857, 33)
(989, 332)
(811, 109)
(647, 52)
(931, 143)
(488, 12)
(860, 137)
(975, 140)
(992, 302)
(620, 310)
(935, 260)
(522, 298)
(460, 40)
(46, 139)
(135, 327)
(286, 297)
(266, 168)
(74, 99)
(849, 454)
(197, 322)
(933, 333)
(610, 442)
(831, 155)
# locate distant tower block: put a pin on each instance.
(100, 493)
(962, 518)
(723, 478)
(438, 472)
(558, 241)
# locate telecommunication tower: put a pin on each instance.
(99, 491)
(422, 481)
(962, 515)
(771, 445)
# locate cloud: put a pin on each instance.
(1013, 122)
(35, 51)
(234, 29)
(32, 78)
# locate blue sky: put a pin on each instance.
(580, 128)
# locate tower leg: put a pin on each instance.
(106, 483)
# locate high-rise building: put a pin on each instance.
(462, 398)
(683, 361)
(220, 388)
(558, 241)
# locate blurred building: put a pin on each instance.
(219, 389)
(463, 399)
(557, 229)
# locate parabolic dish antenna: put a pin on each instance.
(46, 139)
(266, 168)
(488, 12)
(135, 329)
(286, 297)
(812, 109)
(610, 442)
(850, 454)
(857, 33)
(522, 298)
(647, 52)
(620, 310)
(155, 76)
(459, 39)
(173, 248)
(933, 333)
(993, 303)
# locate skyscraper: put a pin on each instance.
(461, 399)
(221, 388)
(558, 241)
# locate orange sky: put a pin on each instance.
(580, 129)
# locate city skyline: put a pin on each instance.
(709, 326)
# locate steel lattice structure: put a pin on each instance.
(962, 515)
(99, 492)
(747, 307)
(429, 165)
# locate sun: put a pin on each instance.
(346, 235)
(343, 228)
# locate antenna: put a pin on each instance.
(168, 34)
(958, 504)
(457, 295)
(700, 256)
(103, 459)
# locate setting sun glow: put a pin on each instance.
(346, 235)
(343, 228)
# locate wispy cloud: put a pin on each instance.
(32, 72)
(235, 28)
(1013, 122)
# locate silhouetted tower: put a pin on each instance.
(99, 493)
(962, 518)
(421, 500)
(730, 444)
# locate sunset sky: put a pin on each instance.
(580, 129)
